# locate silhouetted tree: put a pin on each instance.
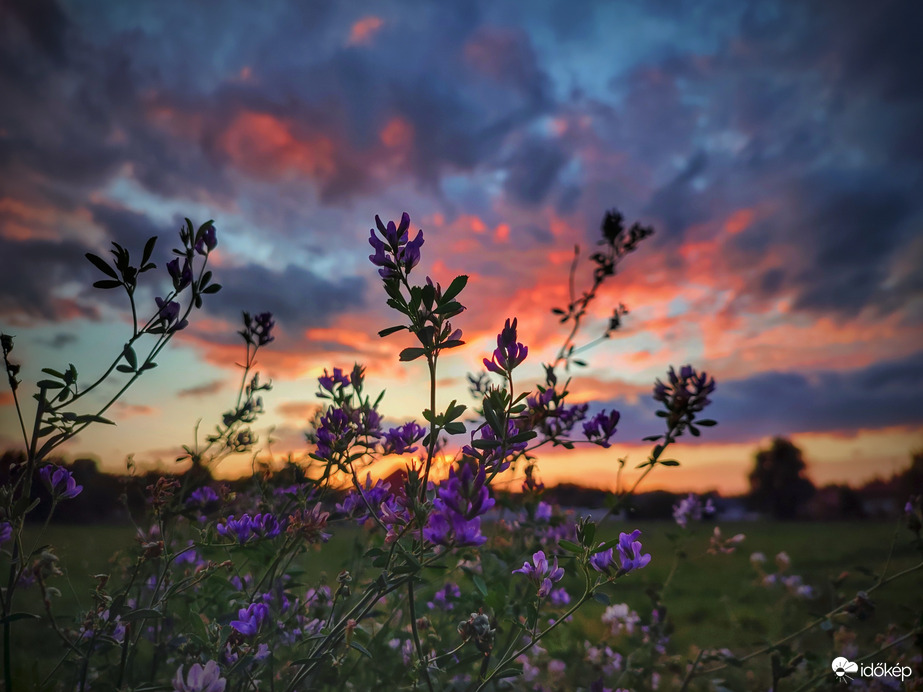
(778, 484)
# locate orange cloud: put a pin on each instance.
(298, 410)
(397, 133)
(267, 145)
(363, 30)
(739, 221)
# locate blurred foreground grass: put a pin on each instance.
(713, 601)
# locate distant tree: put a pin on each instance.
(778, 484)
(910, 482)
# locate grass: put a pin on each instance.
(713, 601)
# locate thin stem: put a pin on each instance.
(424, 665)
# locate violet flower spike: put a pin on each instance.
(509, 352)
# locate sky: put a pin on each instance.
(775, 147)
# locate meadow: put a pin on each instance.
(713, 601)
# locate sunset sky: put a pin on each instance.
(775, 147)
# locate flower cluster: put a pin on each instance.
(60, 482)
(460, 502)
(718, 545)
(250, 619)
(541, 573)
(263, 525)
(395, 255)
(199, 679)
(509, 352)
(601, 427)
(630, 556)
(401, 440)
(684, 397)
(258, 328)
(691, 507)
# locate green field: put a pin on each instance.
(713, 601)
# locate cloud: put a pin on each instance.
(297, 297)
(200, 390)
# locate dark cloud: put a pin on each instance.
(533, 169)
(32, 272)
(785, 403)
(297, 297)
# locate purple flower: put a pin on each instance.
(401, 440)
(541, 573)
(685, 395)
(241, 529)
(207, 241)
(354, 506)
(630, 552)
(395, 254)
(207, 679)
(60, 482)
(250, 619)
(509, 352)
(443, 598)
(691, 507)
(266, 525)
(460, 501)
(330, 382)
(181, 277)
(601, 427)
(6, 531)
(202, 496)
(168, 312)
(560, 597)
(603, 560)
(247, 527)
(334, 433)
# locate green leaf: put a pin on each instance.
(213, 288)
(509, 673)
(450, 309)
(361, 649)
(458, 283)
(101, 264)
(124, 368)
(669, 462)
(454, 411)
(707, 423)
(13, 617)
(455, 428)
(391, 330)
(409, 354)
(479, 584)
(49, 384)
(485, 444)
(93, 418)
(602, 598)
(570, 546)
(53, 373)
(130, 356)
(142, 614)
(148, 249)
(106, 284)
